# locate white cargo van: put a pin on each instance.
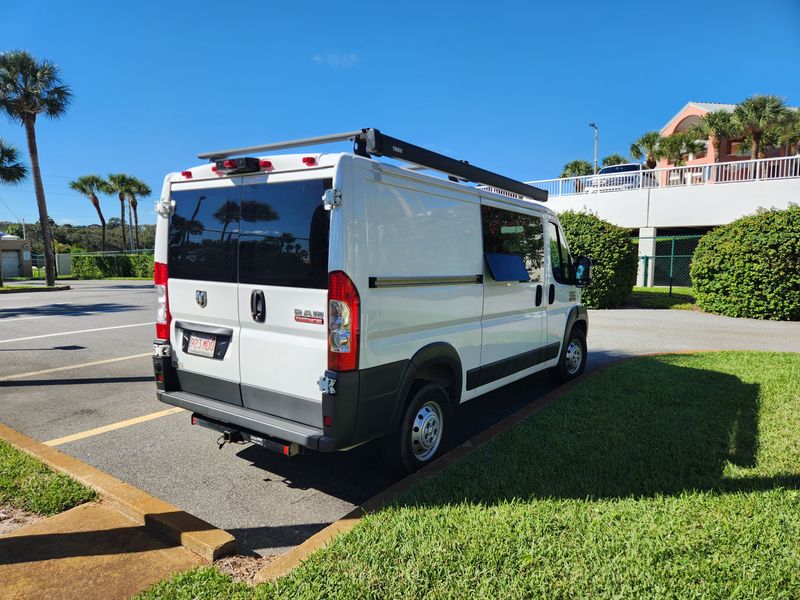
(326, 300)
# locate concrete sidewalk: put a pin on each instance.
(91, 551)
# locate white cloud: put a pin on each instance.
(335, 60)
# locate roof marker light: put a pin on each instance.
(187, 174)
(265, 164)
(214, 168)
(229, 164)
(309, 161)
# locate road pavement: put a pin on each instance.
(78, 360)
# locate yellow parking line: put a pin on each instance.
(112, 427)
(78, 366)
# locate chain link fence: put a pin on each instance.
(665, 261)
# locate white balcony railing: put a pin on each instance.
(717, 173)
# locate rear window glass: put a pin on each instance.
(204, 233)
(283, 236)
(264, 234)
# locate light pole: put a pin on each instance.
(595, 145)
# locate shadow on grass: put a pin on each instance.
(657, 428)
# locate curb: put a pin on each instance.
(287, 562)
(178, 526)
(35, 289)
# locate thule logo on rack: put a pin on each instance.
(201, 297)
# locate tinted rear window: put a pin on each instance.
(284, 235)
(266, 234)
(619, 169)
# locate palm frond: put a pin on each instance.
(11, 170)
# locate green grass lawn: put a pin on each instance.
(665, 477)
(682, 298)
(29, 484)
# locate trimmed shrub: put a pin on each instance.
(614, 257)
(751, 267)
(117, 265)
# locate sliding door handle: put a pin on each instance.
(551, 295)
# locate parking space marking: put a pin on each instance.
(112, 427)
(78, 366)
(36, 337)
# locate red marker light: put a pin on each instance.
(214, 168)
(229, 164)
(309, 161)
(160, 378)
(327, 420)
(187, 174)
(265, 164)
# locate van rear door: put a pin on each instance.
(283, 280)
(202, 266)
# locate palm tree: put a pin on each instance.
(90, 186)
(577, 168)
(29, 88)
(757, 114)
(11, 172)
(790, 132)
(120, 184)
(613, 159)
(137, 188)
(715, 126)
(676, 147)
(647, 147)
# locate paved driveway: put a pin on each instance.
(75, 371)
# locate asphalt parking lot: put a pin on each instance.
(75, 371)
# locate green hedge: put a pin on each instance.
(117, 265)
(614, 257)
(751, 267)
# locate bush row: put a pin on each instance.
(121, 265)
(614, 257)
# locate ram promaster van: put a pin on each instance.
(325, 300)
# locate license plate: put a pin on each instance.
(202, 345)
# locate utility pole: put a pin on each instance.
(24, 237)
(595, 145)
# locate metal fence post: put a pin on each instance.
(671, 264)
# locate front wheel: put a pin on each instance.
(423, 430)
(573, 357)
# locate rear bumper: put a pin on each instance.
(238, 416)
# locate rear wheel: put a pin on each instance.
(422, 433)
(573, 357)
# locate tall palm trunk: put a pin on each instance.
(122, 220)
(756, 146)
(96, 204)
(44, 220)
(135, 203)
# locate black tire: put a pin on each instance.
(411, 446)
(568, 367)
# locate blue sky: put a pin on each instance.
(509, 86)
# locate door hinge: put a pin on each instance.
(165, 207)
(327, 385)
(332, 197)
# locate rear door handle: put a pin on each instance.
(539, 295)
(258, 306)
(551, 295)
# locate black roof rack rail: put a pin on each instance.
(371, 142)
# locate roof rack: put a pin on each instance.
(371, 142)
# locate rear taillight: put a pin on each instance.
(343, 320)
(163, 317)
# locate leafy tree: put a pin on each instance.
(142, 190)
(647, 147)
(715, 126)
(614, 159)
(790, 133)
(577, 168)
(122, 185)
(90, 186)
(29, 88)
(756, 115)
(676, 147)
(113, 223)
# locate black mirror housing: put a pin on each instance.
(583, 271)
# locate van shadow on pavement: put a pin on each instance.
(665, 430)
(66, 310)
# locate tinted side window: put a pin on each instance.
(509, 232)
(284, 234)
(559, 255)
(203, 234)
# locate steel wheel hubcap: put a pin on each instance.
(426, 431)
(573, 357)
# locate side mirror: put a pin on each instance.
(583, 271)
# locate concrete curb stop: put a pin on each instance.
(176, 525)
(57, 288)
